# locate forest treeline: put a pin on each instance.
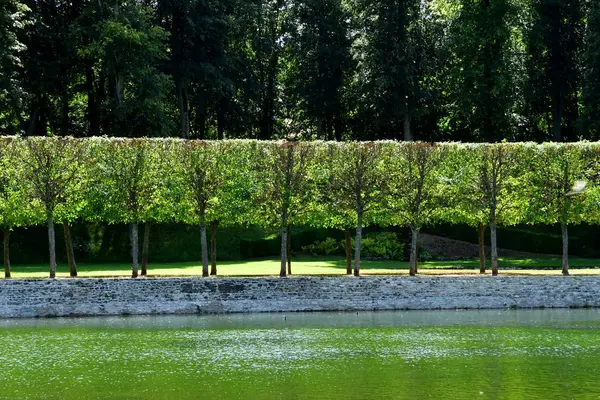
(433, 70)
(280, 184)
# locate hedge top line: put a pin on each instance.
(173, 140)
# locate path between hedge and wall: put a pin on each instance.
(21, 298)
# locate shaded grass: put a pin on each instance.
(319, 266)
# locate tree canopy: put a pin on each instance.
(435, 70)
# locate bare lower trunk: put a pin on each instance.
(134, 250)
(407, 133)
(289, 250)
(213, 247)
(558, 115)
(413, 251)
(357, 248)
(70, 252)
(204, 246)
(145, 249)
(348, 252)
(282, 270)
(52, 247)
(7, 253)
(184, 116)
(481, 248)
(494, 248)
(565, 249)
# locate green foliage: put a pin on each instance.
(417, 194)
(383, 245)
(357, 180)
(483, 69)
(12, 20)
(16, 206)
(435, 70)
(557, 183)
(486, 180)
(326, 247)
(54, 167)
(277, 184)
(286, 185)
(126, 180)
(204, 172)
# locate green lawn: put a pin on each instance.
(313, 266)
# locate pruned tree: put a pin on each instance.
(287, 188)
(489, 186)
(205, 172)
(124, 186)
(328, 210)
(358, 183)
(416, 188)
(557, 184)
(167, 201)
(54, 166)
(16, 208)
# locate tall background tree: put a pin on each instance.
(13, 19)
(317, 63)
(483, 72)
(554, 44)
(590, 95)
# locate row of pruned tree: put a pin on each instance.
(345, 185)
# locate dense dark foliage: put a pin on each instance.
(470, 70)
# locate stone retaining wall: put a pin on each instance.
(78, 297)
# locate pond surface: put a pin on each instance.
(541, 354)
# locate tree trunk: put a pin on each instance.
(204, 246)
(413, 251)
(134, 250)
(70, 252)
(221, 119)
(481, 248)
(52, 246)
(338, 127)
(282, 270)
(213, 247)
(565, 249)
(289, 249)
(558, 116)
(494, 248)
(407, 133)
(200, 121)
(329, 125)
(184, 114)
(357, 248)
(65, 112)
(145, 249)
(348, 252)
(93, 114)
(6, 253)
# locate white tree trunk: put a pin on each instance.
(204, 245)
(565, 249)
(134, 250)
(413, 251)
(357, 246)
(407, 133)
(481, 240)
(6, 253)
(494, 246)
(52, 246)
(282, 270)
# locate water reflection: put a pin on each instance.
(539, 354)
(557, 318)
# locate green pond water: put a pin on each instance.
(536, 354)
